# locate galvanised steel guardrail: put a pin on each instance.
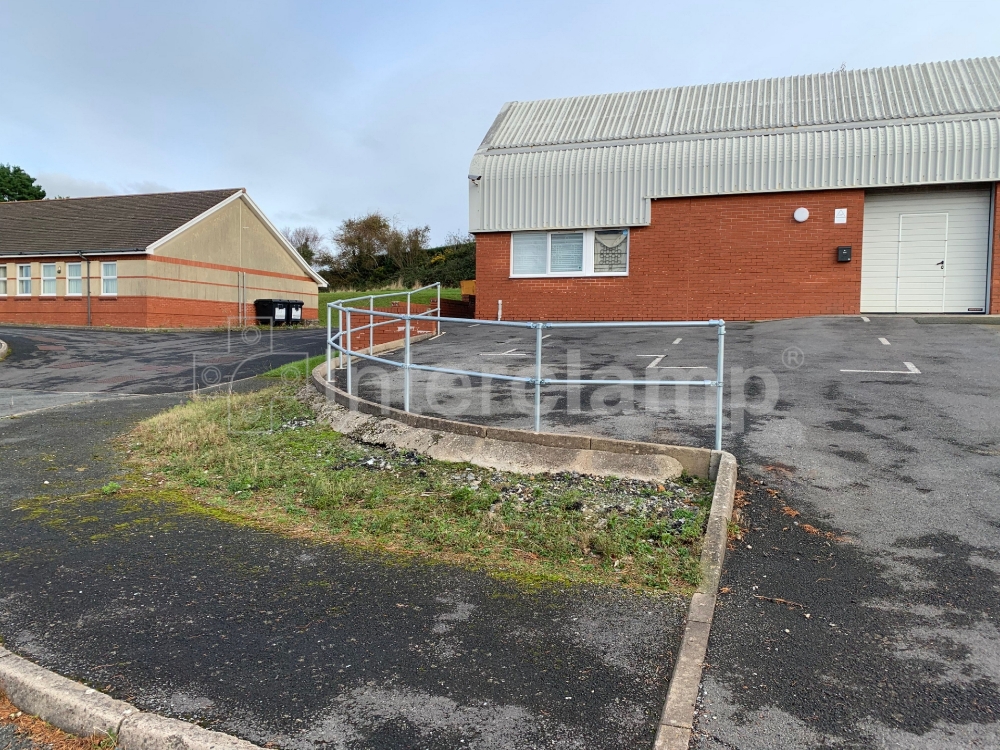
(336, 340)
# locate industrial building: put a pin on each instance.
(855, 191)
(188, 259)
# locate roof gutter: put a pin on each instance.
(71, 253)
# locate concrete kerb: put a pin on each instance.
(676, 722)
(77, 709)
(677, 718)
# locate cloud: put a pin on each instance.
(67, 186)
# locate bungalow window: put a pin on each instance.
(109, 278)
(48, 279)
(601, 252)
(3, 281)
(24, 280)
(74, 282)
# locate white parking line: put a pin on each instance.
(867, 320)
(546, 336)
(885, 341)
(657, 358)
(677, 341)
(508, 353)
(911, 369)
(475, 324)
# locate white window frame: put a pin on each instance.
(3, 279)
(70, 277)
(44, 278)
(588, 255)
(21, 279)
(106, 278)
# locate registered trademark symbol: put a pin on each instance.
(793, 358)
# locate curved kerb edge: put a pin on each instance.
(676, 721)
(77, 709)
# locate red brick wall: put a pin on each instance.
(125, 312)
(734, 257)
(394, 330)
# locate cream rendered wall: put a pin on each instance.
(219, 240)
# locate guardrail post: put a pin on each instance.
(538, 377)
(371, 326)
(340, 335)
(406, 365)
(348, 347)
(329, 349)
(437, 328)
(720, 381)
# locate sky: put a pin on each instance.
(328, 110)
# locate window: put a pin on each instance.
(24, 280)
(611, 251)
(600, 252)
(49, 279)
(3, 281)
(74, 284)
(530, 253)
(567, 253)
(109, 278)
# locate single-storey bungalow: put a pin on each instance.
(191, 259)
(830, 194)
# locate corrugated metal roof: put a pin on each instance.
(598, 160)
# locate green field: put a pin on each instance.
(420, 298)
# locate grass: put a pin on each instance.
(421, 298)
(298, 370)
(262, 456)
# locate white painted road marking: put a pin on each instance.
(865, 319)
(546, 336)
(885, 341)
(657, 358)
(475, 324)
(677, 341)
(508, 353)
(911, 369)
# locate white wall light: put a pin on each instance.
(801, 214)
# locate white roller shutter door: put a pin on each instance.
(925, 251)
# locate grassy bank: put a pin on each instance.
(421, 298)
(264, 456)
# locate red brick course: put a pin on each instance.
(734, 257)
(125, 312)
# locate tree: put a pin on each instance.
(309, 242)
(18, 185)
(372, 250)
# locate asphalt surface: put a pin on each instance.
(11, 740)
(895, 476)
(279, 640)
(49, 367)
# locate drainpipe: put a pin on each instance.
(85, 258)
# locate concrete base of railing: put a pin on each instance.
(699, 462)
